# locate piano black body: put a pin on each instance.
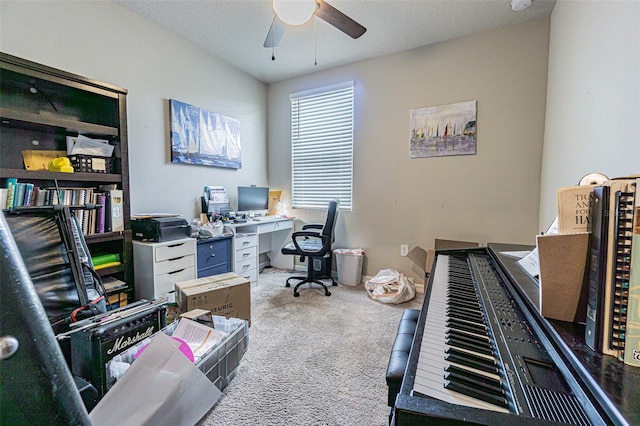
(547, 373)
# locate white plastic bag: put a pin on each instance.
(390, 286)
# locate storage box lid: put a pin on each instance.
(209, 283)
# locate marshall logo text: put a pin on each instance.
(124, 342)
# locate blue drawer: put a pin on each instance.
(213, 256)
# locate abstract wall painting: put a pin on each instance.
(204, 137)
(444, 130)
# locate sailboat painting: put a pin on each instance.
(203, 137)
(444, 130)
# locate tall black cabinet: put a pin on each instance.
(39, 108)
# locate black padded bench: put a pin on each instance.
(400, 353)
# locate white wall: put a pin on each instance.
(491, 196)
(103, 41)
(593, 95)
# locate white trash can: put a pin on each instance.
(349, 264)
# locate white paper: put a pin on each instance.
(553, 229)
(83, 145)
(162, 387)
(516, 254)
(531, 263)
(200, 338)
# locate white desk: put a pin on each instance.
(257, 244)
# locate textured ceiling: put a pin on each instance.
(235, 30)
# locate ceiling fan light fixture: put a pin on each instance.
(518, 5)
(294, 12)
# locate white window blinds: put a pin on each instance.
(322, 146)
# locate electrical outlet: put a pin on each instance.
(404, 250)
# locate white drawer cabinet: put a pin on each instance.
(158, 266)
(245, 256)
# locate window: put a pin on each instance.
(322, 146)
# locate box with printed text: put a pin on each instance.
(227, 295)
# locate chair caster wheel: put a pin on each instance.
(296, 294)
(287, 285)
(328, 293)
(335, 284)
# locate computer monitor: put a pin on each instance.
(253, 200)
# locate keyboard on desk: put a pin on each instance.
(478, 355)
(266, 218)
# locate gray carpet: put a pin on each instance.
(313, 359)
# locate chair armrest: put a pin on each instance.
(313, 226)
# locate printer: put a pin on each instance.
(160, 229)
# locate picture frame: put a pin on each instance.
(203, 137)
(443, 130)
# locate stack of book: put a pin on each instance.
(613, 306)
(103, 212)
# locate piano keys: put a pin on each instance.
(481, 355)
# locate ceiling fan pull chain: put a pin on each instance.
(273, 46)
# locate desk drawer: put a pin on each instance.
(244, 241)
(245, 254)
(242, 266)
(173, 265)
(172, 251)
(165, 283)
(212, 254)
(249, 275)
(264, 228)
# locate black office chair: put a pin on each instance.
(316, 245)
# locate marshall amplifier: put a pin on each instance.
(94, 345)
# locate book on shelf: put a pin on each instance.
(100, 214)
(597, 265)
(3, 197)
(18, 198)
(11, 192)
(114, 213)
(613, 285)
(28, 193)
(574, 208)
(632, 333)
(621, 268)
(113, 284)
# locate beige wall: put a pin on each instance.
(491, 196)
(101, 40)
(593, 95)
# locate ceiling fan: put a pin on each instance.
(298, 12)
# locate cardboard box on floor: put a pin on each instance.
(424, 258)
(227, 295)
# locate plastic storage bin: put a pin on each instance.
(349, 263)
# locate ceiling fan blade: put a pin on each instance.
(338, 19)
(275, 33)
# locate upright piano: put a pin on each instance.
(483, 354)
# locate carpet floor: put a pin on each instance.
(313, 359)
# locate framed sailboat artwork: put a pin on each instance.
(204, 137)
(443, 130)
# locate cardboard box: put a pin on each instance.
(39, 159)
(227, 295)
(564, 279)
(424, 258)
